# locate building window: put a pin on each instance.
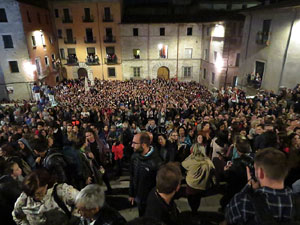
(237, 61)
(51, 40)
(215, 56)
(43, 40)
(33, 41)
(163, 51)
(53, 57)
(207, 31)
(266, 26)
(3, 17)
(107, 14)
(28, 17)
(188, 53)
(187, 72)
(213, 78)
(136, 71)
(136, 53)
(62, 53)
(206, 54)
(162, 31)
(135, 32)
(204, 73)
(46, 61)
(39, 18)
(14, 68)
(59, 33)
(7, 40)
(111, 72)
(189, 31)
(56, 13)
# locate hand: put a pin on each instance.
(38, 160)
(254, 184)
(131, 200)
(89, 180)
(90, 155)
(229, 164)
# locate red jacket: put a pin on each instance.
(118, 151)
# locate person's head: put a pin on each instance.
(162, 140)
(40, 147)
(259, 129)
(168, 178)
(13, 169)
(271, 166)
(36, 183)
(69, 127)
(200, 139)
(205, 126)
(181, 131)
(40, 125)
(90, 135)
(136, 145)
(90, 200)
(242, 145)
(145, 141)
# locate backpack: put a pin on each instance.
(264, 215)
(69, 167)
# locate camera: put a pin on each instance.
(249, 162)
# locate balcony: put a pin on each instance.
(109, 39)
(70, 40)
(67, 20)
(88, 19)
(108, 18)
(111, 59)
(92, 60)
(89, 40)
(72, 60)
(263, 38)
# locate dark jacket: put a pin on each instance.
(143, 174)
(10, 190)
(109, 216)
(157, 208)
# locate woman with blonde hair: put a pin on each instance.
(200, 175)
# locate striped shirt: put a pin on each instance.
(240, 210)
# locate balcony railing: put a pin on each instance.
(263, 38)
(71, 60)
(109, 39)
(70, 40)
(67, 20)
(90, 40)
(88, 19)
(92, 60)
(111, 59)
(108, 18)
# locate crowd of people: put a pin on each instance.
(174, 139)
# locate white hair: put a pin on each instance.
(91, 197)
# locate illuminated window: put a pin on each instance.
(163, 51)
(43, 40)
(136, 53)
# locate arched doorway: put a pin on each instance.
(82, 73)
(163, 73)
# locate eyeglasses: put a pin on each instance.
(135, 143)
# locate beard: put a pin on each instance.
(139, 150)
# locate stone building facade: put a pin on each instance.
(88, 37)
(271, 45)
(192, 51)
(19, 23)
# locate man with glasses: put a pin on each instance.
(143, 168)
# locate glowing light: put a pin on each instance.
(219, 31)
(160, 46)
(29, 69)
(219, 62)
(39, 37)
